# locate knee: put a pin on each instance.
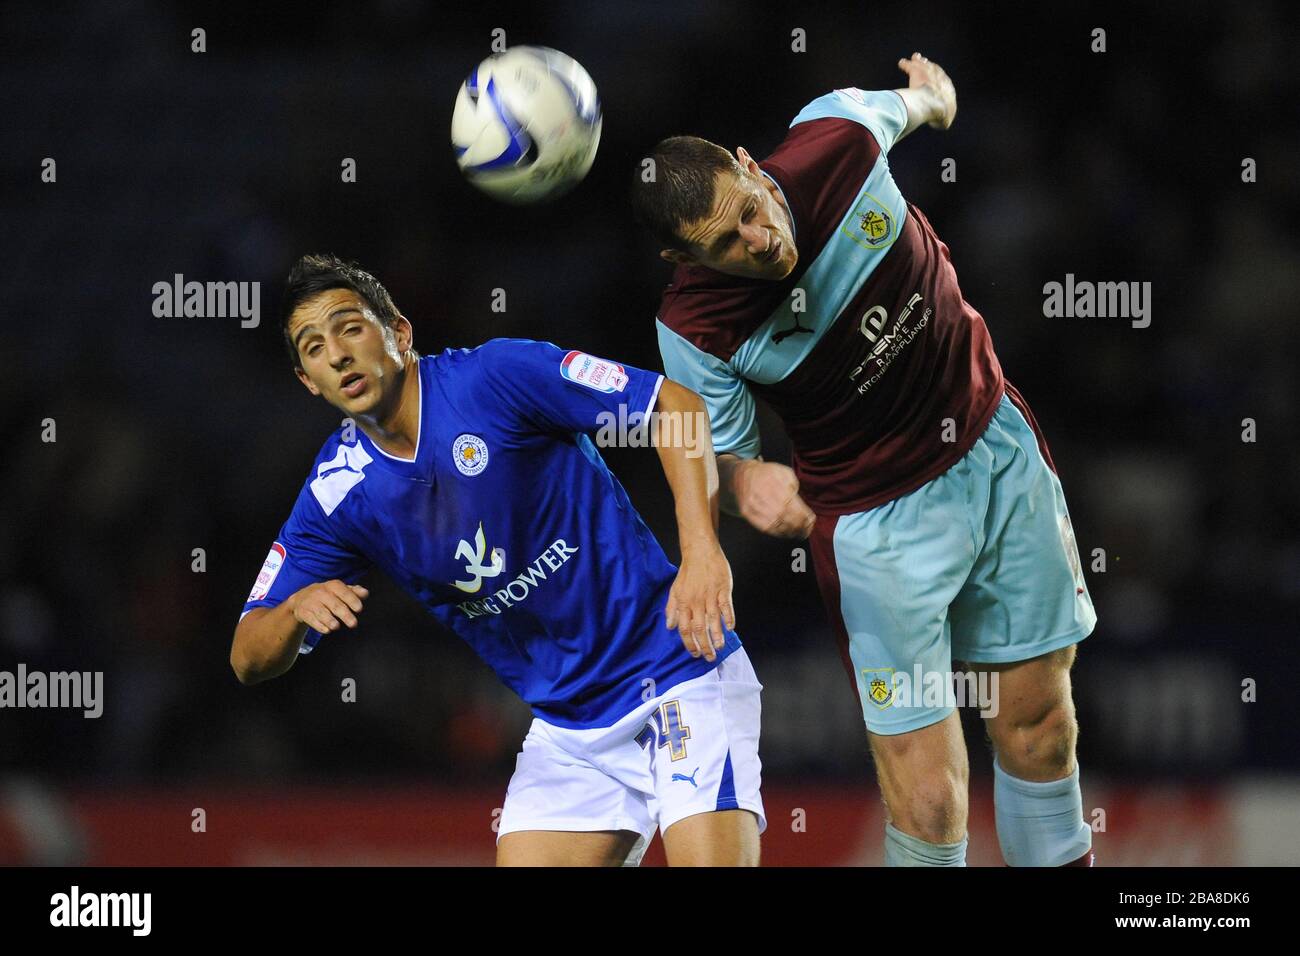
(934, 807)
(1041, 747)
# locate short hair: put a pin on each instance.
(681, 189)
(319, 272)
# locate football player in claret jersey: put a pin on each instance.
(470, 479)
(938, 527)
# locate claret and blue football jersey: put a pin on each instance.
(881, 372)
(508, 526)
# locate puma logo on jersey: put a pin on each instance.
(336, 477)
(473, 555)
(779, 337)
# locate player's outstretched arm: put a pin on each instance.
(930, 96)
(700, 599)
(267, 640)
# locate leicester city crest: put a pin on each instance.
(470, 453)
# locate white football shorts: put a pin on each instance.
(692, 749)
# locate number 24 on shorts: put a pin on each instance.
(666, 729)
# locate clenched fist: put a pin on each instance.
(767, 496)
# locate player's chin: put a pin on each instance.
(359, 405)
(780, 269)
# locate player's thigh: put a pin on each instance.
(887, 577)
(719, 838)
(565, 848)
(1025, 596)
(560, 807)
(924, 775)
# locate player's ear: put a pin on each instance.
(306, 381)
(676, 255)
(746, 161)
(404, 333)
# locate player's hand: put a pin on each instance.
(767, 494)
(326, 606)
(930, 76)
(699, 602)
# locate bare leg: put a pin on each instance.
(565, 848)
(720, 838)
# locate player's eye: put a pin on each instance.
(351, 328)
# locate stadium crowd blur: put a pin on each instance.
(176, 434)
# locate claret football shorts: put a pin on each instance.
(979, 565)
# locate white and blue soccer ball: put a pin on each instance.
(526, 124)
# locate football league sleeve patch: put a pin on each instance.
(303, 553)
(568, 389)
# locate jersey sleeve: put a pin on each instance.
(305, 552)
(883, 112)
(730, 404)
(566, 390)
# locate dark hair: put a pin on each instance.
(313, 274)
(681, 189)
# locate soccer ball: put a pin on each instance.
(526, 124)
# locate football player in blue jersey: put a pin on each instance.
(471, 479)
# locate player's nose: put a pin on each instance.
(757, 239)
(339, 357)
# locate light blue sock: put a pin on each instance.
(902, 849)
(1039, 824)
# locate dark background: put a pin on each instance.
(183, 433)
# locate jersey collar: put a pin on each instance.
(794, 226)
(417, 467)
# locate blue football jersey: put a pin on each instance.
(508, 526)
